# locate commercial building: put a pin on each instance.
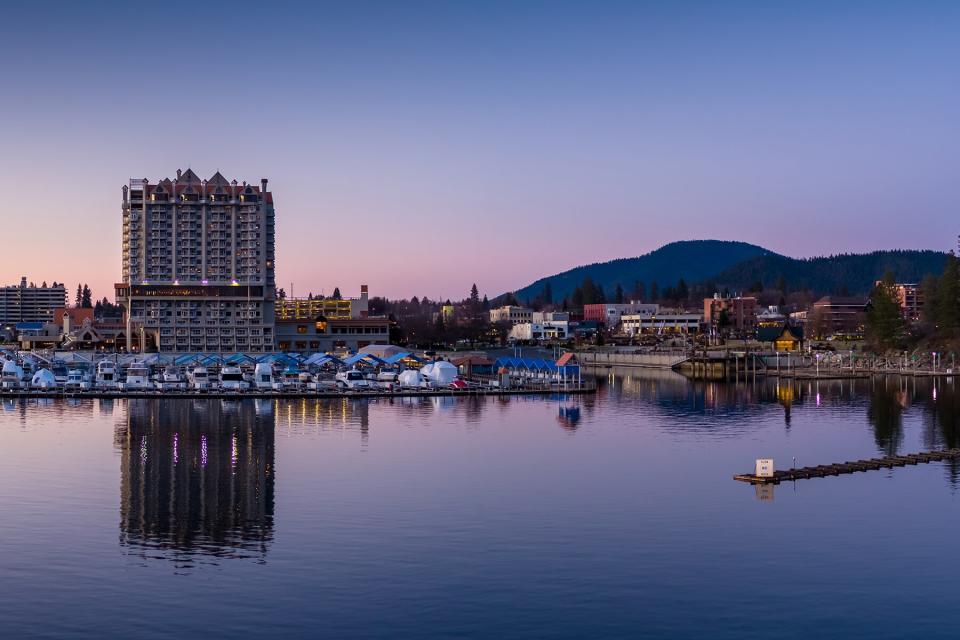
(911, 299)
(338, 334)
(537, 331)
(330, 308)
(610, 314)
(551, 316)
(669, 322)
(30, 303)
(512, 314)
(741, 312)
(837, 314)
(198, 264)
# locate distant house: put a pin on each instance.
(784, 337)
(473, 365)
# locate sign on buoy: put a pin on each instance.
(764, 467)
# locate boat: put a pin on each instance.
(352, 379)
(59, 371)
(106, 375)
(11, 376)
(78, 380)
(43, 379)
(290, 379)
(171, 380)
(137, 378)
(231, 379)
(199, 379)
(263, 377)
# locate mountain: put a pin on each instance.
(855, 273)
(714, 265)
(692, 260)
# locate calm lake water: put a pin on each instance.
(612, 515)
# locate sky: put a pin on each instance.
(422, 147)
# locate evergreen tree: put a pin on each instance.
(486, 303)
(589, 291)
(547, 293)
(474, 297)
(654, 292)
(577, 298)
(639, 291)
(931, 303)
(336, 293)
(948, 296)
(86, 298)
(618, 294)
(683, 291)
(782, 285)
(885, 326)
(79, 299)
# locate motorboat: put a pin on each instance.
(323, 383)
(11, 376)
(352, 379)
(43, 379)
(263, 377)
(106, 375)
(171, 380)
(199, 379)
(78, 380)
(137, 378)
(290, 379)
(60, 372)
(231, 379)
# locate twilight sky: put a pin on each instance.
(419, 147)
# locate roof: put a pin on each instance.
(473, 361)
(566, 359)
(769, 334)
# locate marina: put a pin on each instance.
(841, 468)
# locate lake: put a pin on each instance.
(612, 515)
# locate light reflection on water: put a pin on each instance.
(606, 515)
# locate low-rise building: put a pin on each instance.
(669, 322)
(551, 316)
(538, 331)
(611, 313)
(911, 299)
(837, 314)
(332, 334)
(330, 308)
(512, 314)
(740, 311)
(781, 337)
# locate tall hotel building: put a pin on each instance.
(198, 265)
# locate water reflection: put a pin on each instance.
(196, 480)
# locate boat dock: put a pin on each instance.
(584, 388)
(849, 467)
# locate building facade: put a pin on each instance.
(669, 322)
(23, 303)
(837, 314)
(741, 312)
(328, 335)
(512, 314)
(198, 264)
(911, 299)
(611, 313)
(330, 308)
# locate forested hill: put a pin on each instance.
(692, 260)
(846, 273)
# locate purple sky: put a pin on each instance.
(422, 147)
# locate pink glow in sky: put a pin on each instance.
(422, 148)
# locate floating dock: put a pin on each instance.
(292, 394)
(849, 467)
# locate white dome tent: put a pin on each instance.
(410, 379)
(43, 379)
(439, 374)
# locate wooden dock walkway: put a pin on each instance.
(850, 467)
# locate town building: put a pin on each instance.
(512, 314)
(198, 264)
(30, 303)
(610, 313)
(740, 311)
(668, 322)
(911, 299)
(336, 334)
(538, 331)
(330, 308)
(551, 316)
(837, 314)
(781, 337)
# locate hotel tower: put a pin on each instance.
(198, 265)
